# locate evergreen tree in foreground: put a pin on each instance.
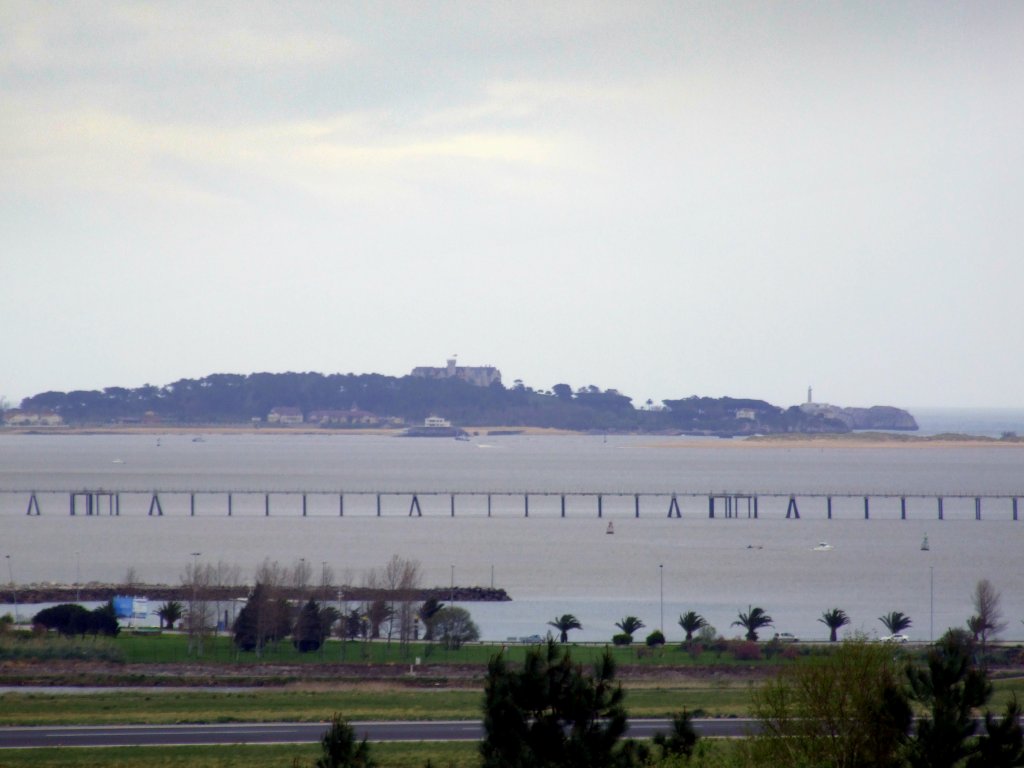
(340, 749)
(551, 713)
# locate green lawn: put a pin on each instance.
(174, 648)
(393, 755)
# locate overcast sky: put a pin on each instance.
(668, 199)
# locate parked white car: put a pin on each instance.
(897, 638)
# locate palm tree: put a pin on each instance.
(834, 620)
(753, 620)
(691, 622)
(563, 624)
(895, 622)
(976, 625)
(426, 614)
(169, 613)
(629, 625)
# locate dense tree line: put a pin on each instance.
(70, 619)
(237, 398)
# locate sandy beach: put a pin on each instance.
(848, 440)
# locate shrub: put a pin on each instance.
(745, 650)
(707, 634)
(655, 638)
(454, 627)
(772, 648)
(622, 639)
(72, 619)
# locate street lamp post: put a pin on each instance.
(193, 626)
(931, 603)
(14, 589)
(661, 597)
(451, 604)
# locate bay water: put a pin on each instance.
(653, 567)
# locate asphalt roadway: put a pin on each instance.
(298, 733)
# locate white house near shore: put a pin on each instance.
(19, 418)
(285, 415)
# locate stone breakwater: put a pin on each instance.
(69, 593)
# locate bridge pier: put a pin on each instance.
(154, 505)
(977, 508)
(636, 506)
(192, 505)
(488, 505)
(341, 505)
(453, 504)
(415, 507)
(600, 506)
(711, 507)
(903, 507)
(1014, 507)
(792, 509)
(266, 505)
(33, 503)
(867, 513)
(940, 507)
(229, 505)
(378, 505)
(828, 502)
(563, 505)
(303, 505)
(526, 505)
(673, 507)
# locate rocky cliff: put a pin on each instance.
(878, 417)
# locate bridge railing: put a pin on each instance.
(90, 502)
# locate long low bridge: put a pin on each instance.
(710, 504)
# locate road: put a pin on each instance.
(296, 733)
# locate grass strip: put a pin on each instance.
(391, 755)
(710, 752)
(195, 706)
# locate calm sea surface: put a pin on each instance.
(652, 567)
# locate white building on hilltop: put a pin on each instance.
(480, 376)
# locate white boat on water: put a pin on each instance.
(823, 546)
(924, 544)
(610, 528)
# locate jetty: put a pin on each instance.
(92, 502)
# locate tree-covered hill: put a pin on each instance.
(237, 398)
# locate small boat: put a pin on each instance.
(610, 528)
(823, 546)
(924, 544)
